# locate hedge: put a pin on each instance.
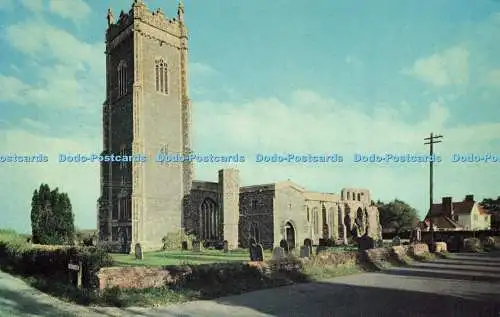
(52, 261)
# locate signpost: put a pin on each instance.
(75, 268)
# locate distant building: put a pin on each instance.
(464, 215)
(493, 208)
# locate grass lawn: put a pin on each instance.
(162, 258)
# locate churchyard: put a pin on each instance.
(90, 275)
(179, 257)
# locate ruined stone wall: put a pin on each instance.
(256, 210)
(356, 194)
(138, 277)
(326, 213)
(199, 193)
(290, 208)
(229, 199)
(374, 228)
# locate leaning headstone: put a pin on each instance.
(226, 246)
(308, 242)
(278, 254)
(196, 246)
(285, 246)
(184, 245)
(305, 251)
(251, 249)
(138, 252)
(259, 253)
(396, 241)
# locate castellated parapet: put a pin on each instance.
(156, 23)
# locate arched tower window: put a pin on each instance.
(122, 79)
(359, 197)
(348, 195)
(209, 220)
(161, 76)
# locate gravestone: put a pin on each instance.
(396, 241)
(196, 246)
(138, 252)
(308, 242)
(418, 233)
(184, 245)
(226, 246)
(305, 251)
(284, 245)
(366, 243)
(278, 254)
(257, 253)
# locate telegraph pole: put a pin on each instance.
(431, 140)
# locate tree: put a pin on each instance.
(52, 219)
(397, 215)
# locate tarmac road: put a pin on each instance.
(467, 285)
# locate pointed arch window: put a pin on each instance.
(315, 215)
(209, 220)
(161, 76)
(122, 79)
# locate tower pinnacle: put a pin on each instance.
(110, 17)
(180, 12)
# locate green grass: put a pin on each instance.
(163, 258)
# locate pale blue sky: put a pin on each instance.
(267, 76)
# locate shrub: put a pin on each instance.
(173, 241)
(489, 243)
(472, 245)
(52, 261)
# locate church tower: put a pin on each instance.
(147, 111)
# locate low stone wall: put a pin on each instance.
(139, 277)
(400, 250)
(418, 249)
(440, 247)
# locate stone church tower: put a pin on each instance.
(146, 111)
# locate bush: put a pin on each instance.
(489, 243)
(472, 245)
(52, 261)
(173, 241)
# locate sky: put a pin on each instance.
(268, 77)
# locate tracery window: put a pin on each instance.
(122, 79)
(315, 215)
(209, 220)
(161, 76)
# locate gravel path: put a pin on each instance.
(467, 285)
